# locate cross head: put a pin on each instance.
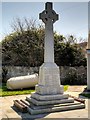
(48, 15)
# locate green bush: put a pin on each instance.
(72, 78)
(81, 79)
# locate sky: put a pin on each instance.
(73, 16)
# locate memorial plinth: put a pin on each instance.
(49, 80)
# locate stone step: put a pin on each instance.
(50, 106)
(49, 102)
(25, 106)
(49, 97)
(56, 109)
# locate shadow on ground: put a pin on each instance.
(27, 116)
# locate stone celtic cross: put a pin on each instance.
(49, 16)
(49, 92)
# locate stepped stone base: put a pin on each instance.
(49, 97)
(51, 103)
(26, 106)
(58, 108)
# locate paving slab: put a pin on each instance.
(8, 111)
(76, 88)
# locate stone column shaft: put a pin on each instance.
(49, 77)
(49, 43)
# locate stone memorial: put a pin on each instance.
(49, 78)
(49, 93)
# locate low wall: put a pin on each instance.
(73, 75)
(13, 71)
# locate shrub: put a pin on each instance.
(73, 78)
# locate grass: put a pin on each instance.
(5, 92)
(65, 87)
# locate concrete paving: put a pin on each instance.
(75, 88)
(8, 112)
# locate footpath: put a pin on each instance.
(8, 112)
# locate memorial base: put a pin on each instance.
(49, 94)
(57, 108)
(51, 103)
(49, 80)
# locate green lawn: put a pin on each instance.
(65, 87)
(5, 92)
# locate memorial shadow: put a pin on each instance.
(27, 116)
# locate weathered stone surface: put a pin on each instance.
(49, 90)
(49, 74)
(52, 106)
(49, 102)
(55, 109)
(49, 80)
(49, 97)
(48, 16)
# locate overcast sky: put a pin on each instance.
(73, 16)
